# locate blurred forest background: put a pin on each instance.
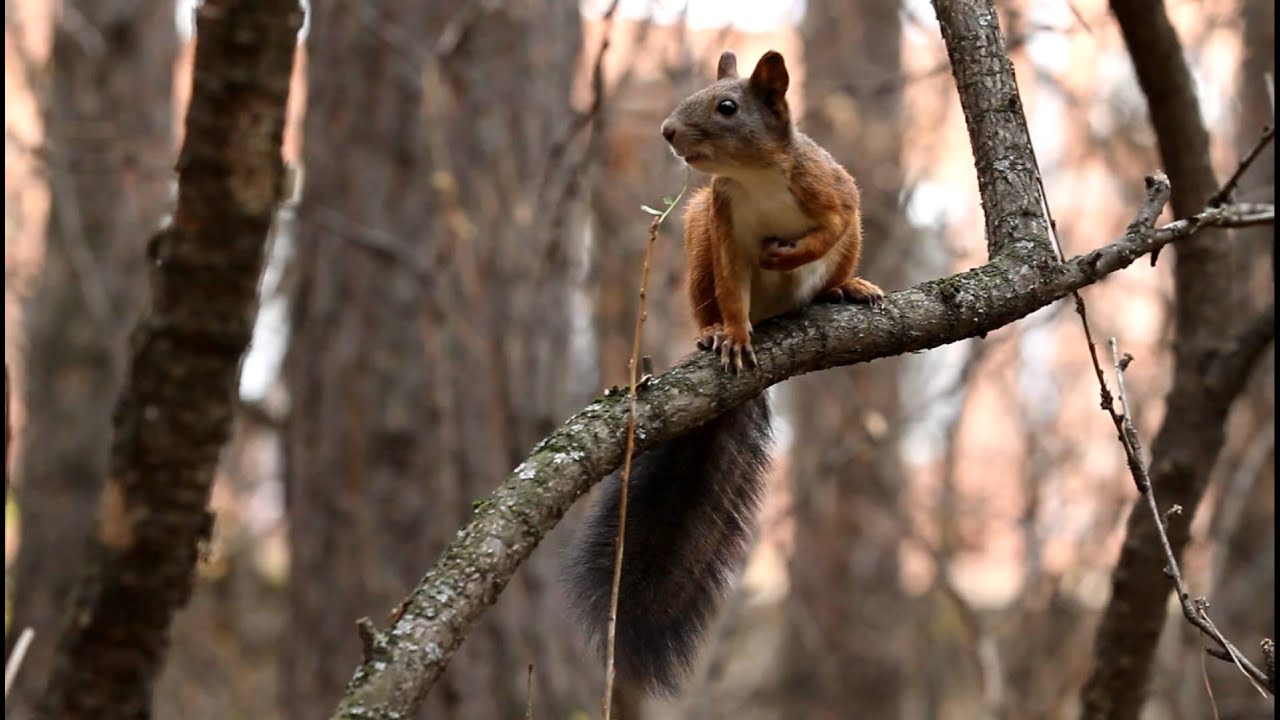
(458, 275)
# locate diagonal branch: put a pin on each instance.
(504, 529)
(1224, 193)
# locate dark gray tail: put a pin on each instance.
(691, 513)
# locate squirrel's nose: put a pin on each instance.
(668, 129)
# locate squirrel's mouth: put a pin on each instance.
(696, 157)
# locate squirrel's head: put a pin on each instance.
(736, 123)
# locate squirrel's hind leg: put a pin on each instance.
(853, 290)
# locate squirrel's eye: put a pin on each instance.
(727, 107)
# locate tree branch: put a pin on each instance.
(1008, 177)
(1193, 609)
(1224, 193)
(505, 528)
(175, 410)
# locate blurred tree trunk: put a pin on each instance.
(108, 139)
(361, 454)
(429, 332)
(845, 609)
(639, 171)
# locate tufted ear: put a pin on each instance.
(728, 66)
(770, 78)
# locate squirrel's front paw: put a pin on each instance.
(732, 344)
(780, 254)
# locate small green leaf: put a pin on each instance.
(668, 200)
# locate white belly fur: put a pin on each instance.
(762, 207)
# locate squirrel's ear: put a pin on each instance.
(728, 66)
(770, 76)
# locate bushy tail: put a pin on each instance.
(691, 513)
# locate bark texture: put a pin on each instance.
(844, 586)
(1202, 392)
(108, 140)
(175, 409)
(1008, 179)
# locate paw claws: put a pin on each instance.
(735, 353)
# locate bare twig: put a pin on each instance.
(1224, 193)
(1146, 215)
(606, 702)
(14, 663)
(1194, 609)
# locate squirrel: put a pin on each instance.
(777, 228)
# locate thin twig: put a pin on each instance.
(16, 656)
(1147, 213)
(1193, 609)
(379, 243)
(1208, 688)
(606, 702)
(1224, 193)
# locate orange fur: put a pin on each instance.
(778, 227)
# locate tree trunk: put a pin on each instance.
(362, 460)
(429, 332)
(846, 621)
(175, 408)
(108, 145)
